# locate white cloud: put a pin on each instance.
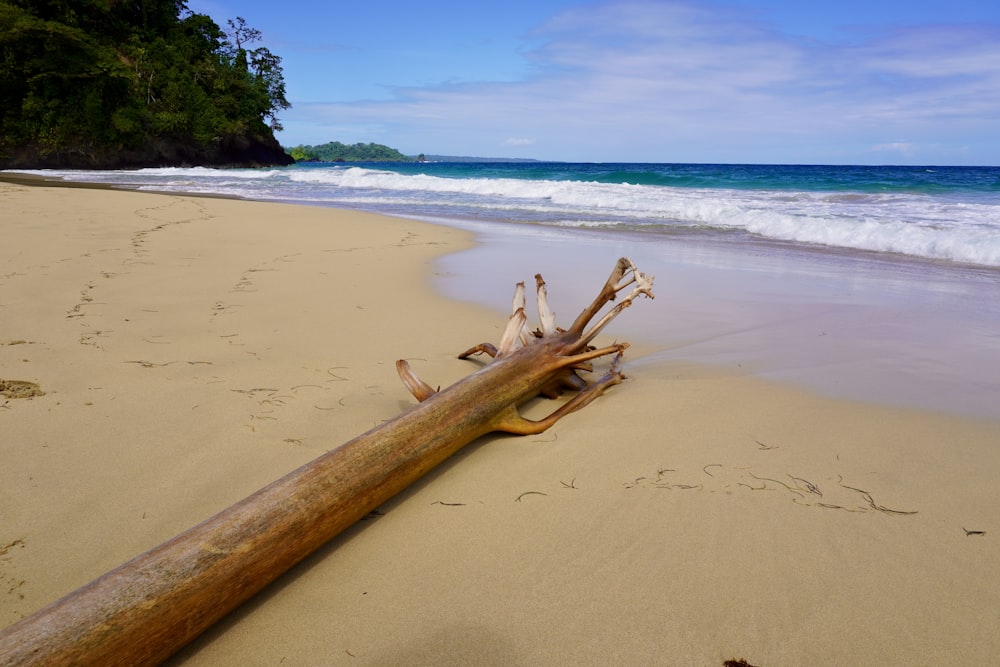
(667, 81)
(901, 147)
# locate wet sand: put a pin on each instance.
(892, 330)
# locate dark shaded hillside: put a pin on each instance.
(131, 83)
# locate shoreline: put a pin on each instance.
(844, 325)
(848, 325)
(193, 350)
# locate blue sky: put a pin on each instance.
(746, 81)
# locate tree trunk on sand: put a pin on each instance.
(145, 610)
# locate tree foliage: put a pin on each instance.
(335, 151)
(92, 82)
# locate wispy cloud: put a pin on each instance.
(676, 81)
(904, 148)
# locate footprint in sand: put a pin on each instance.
(19, 389)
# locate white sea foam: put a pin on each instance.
(949, 228)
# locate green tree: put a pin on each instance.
(95, 81)
(302, 154)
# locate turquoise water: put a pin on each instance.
(938, 213)
(811, 178)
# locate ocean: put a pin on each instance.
(940, 213)
(872, 282)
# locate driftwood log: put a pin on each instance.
(148, 608)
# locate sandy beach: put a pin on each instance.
(162, 357)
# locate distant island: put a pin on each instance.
(111, 85)
(335, 151)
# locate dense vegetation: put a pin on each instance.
(335, 151)
(118, 83)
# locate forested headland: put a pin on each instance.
(131, 83)
(335, 151)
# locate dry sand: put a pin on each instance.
(191, 350)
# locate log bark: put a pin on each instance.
(148, 608)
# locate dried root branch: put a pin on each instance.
(559, 353)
